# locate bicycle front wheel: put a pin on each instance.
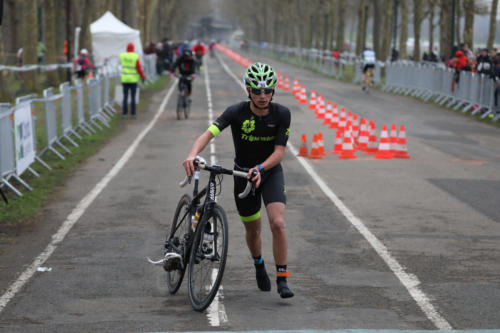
(180, 105)
(187, 109)
(178, 240)
(208, 259)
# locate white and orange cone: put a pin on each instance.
(384, 147)
(348, 146)
(364, 136)
(401, 150)
(312, 101)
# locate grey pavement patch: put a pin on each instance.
(481, 195)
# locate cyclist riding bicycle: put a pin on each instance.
(186, 65)
(260, 132)
(199, 51)
(368, 60)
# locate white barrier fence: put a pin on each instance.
(19, 147)
(465, 91)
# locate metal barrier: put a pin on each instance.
(465, 91)
(18, 140)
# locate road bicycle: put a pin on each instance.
(183, 102)
(198, 238)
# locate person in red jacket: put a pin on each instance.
(199, 51)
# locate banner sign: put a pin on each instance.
(25, 153)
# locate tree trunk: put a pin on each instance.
(431, 25)
(49, 16)
(386, 34)
(12, 29)
(469, 10)
(85, 40)
(458, 16)
(377, 23)
(331, 25)
(403, 36)
(444, 28)
(361, 24)
(493, 22)
(4, 91)
(417, 24)
(30, 38)
(340, 38)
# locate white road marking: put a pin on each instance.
(79, 210)
(216, 312)
(409, 281)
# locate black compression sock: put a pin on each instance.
(263, 281)
(283, 289)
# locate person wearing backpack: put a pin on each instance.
(82, 65)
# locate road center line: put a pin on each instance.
(216, 312)
(80, 209)
(409, 281)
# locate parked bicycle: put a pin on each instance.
(183, 101)
(198, 237)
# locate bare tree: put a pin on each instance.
(431, 5)
(49, 19)
(417, 24)
(491, 33)
(360, 35)
(444, 28)
(469, 9)
(386, 34)
(4, 92)
(30, 38)
(340, 38)
(377, 24)
(403, 36)
(85, 41)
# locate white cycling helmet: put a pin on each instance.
(84, 51)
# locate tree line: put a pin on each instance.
(380, 24)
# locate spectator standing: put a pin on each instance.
(484, 63)
(82, 65)
(131, 71)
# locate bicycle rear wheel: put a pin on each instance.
(208, 259)
(178, 240)
(187, 109)
(180, 106)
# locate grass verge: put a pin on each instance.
(24, 209)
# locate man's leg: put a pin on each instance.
(125, 99)
(133, 90)
(276, 215)
(254, 242)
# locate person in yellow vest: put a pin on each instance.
(131, 72)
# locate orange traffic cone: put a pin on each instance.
(321, 144)
(393, 138)
(364, 136)
(321, 109)
(355, 127)
(303, 146)
(296, 87)
(372, 141)
(335, 117)
(303, 98)
(286, 86)
(347, 146)
(384, 147)
(349, 116)
(312, 103)
(401, 150)
(342, 121)
(337, 148)
(315, 148)
(280, 81)
(328, 113)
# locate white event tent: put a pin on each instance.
(110, 37)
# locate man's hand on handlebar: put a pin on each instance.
(189, 165)
(256, 179)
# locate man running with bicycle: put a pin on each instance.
(368, 60)
(260, 132)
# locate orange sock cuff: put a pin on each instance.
(283, 274)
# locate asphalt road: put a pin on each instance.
(373, 244)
